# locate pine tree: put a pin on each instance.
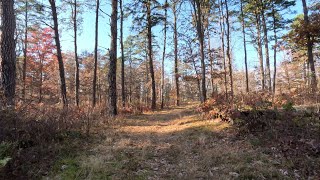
(112, 101)
(59, 53)
(8, 54)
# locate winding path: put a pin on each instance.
(172, 144)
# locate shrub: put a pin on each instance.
(37, 132)
(288, 106)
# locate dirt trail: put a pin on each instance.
(173, 144)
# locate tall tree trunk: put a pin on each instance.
(24, 73)
(259, 43)
(266, 48)
(147, 75)
(59, 53)
(200, 33)
(112, 76)
(75, 33)
(149, 35)
(310, 47)
(244, 47)
(8, 53)
(229, 49)
(164, 53)
(95, 55)
(130, 73)
(274, 50)
(175, 37)
(222, 29)
(123, 94)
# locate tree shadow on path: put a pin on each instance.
(176, 144)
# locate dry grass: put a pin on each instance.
(176, 144)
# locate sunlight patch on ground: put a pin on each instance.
(189, 122)
(176, 143)
(173, 144)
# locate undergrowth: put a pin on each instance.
(40, 141)
(33, 137)
(293, 134)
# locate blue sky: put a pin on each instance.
(86, 38)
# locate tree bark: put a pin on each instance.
(309, 47)
(266, 47)
(175, 37)
(123, 93)
(200, 33)
(222, 29)
(244, 47)
(147, 74)
(94, 98)
(75, 30)
(164, 53)
(112, 76)
(274, 50)
(228, 49)
(149, 36)
(59, 53)
(260, 55)
(8, 53)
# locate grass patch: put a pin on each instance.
(67, 168)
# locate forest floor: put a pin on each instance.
(176, 144)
